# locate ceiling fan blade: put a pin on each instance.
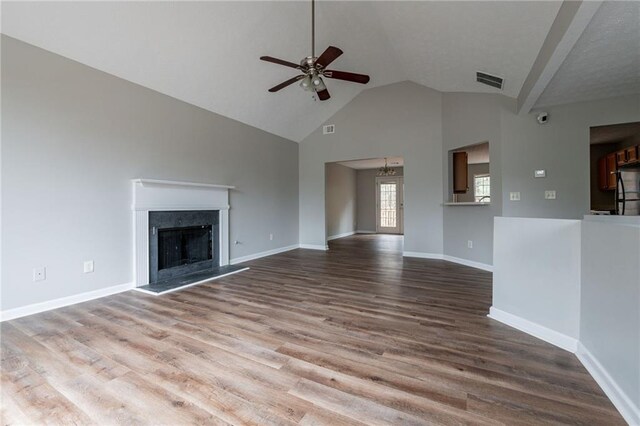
(286, 83)
(323, 95)
(279, 62)
(347, 76)
(331, 54)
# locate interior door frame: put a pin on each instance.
(399, 199)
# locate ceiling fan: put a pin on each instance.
(314, 68)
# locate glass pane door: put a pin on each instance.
(389, 204)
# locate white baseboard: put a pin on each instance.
(422, 255)
(344, 234)
(629, 411)
(363, 231)
(63, 301)
(471, 263)
(536, 330)
(247, 258)
(141, 290)
(314, 247)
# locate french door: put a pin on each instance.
(389, 205)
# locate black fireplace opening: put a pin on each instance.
(183, 243)
(184, 246)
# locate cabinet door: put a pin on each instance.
(621, 157)
(611, 167)
(632, 154)
(603, 174)
(460, 173)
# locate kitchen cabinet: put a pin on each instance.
(460, 173)
(632, 154)
(607, 179)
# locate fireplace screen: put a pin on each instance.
(183, 246)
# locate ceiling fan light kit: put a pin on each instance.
(314, 68)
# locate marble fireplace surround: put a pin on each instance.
(165, 195)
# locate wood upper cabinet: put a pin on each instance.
(621, 157)
(632, 154)
(608, 164)
(460, 172)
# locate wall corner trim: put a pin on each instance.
(266, 253)
(35, 308)
(471, 263)
(314, 247)
(344, 234)
(536, 330)
(629, 411)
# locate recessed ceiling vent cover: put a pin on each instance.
(490, 80)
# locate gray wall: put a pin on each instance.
(340, 199)
(518, 146)
(468, 119)
(561, 147)
(610, 301)
(73, 137)
(366, 198)
(402, 119)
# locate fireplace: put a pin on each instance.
(181, 231)
(182, 242)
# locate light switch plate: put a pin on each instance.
(514, 196)
(550, 195)
(88, 266)
(540, 173)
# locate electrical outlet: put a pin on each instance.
(39, 274)
(88, 266)
(271, 237)
(540, 173)
(470, 244)
(550, 195)
(514, 196)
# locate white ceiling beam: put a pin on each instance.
(571, 21)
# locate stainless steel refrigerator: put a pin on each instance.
(628, 191)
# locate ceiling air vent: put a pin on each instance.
(328, 129)
(490, 80)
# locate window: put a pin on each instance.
(482, 188)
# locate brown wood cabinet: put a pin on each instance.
(621, 157)
(460, 172)
(608, 164)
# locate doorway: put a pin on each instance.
(390, 205)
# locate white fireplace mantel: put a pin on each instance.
(166, 195)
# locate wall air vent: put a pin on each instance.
(490, 80)
(328, 129)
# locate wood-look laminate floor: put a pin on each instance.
(356, 335)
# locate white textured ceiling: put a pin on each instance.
(373, 163)
(206, 53)
(604, 62)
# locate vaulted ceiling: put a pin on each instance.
(206, 53)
